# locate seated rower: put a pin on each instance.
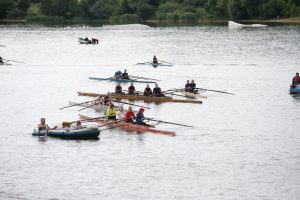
(118, 89)
(125, 74)
(187, 86)
(148, 91)
(193, 86)
(155, 61)
(129, 116)
(296, 81)
(106, 100)
(131, 89)
(121, 112)
(139, 119)
(1, 60)
(118, 75)
(157, 91)
(42, 126)
(111, 113)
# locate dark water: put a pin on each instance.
(243, 146)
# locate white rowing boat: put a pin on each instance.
(234, 25)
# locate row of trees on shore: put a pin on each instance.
(139, 10)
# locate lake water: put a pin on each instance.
(243, 146)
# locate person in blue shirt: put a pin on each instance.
(118, 75)
(139, 118)
(125, 74)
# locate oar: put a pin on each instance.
(76, 104)
(117, 121)
(131, 104)
(85, 120)
(14, 61)
(215, 91)
(143, 63)
(151, 119)
(166, 62)
(2, 45)
(88, 107)
(172, 93)
(140, 77)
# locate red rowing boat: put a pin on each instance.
(129, 127)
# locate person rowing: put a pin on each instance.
(139, 119)
(118, 89)
(131, 89)
(111, 113)
(296, 81)
(125, 74)
(1, 60)
(118, 75)
(155, 61)
(187, 86)
(157, 91)
(121, 112)
(129, 116)
(148, 91)
(193, 86)
(106, 100)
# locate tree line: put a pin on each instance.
(139, 10)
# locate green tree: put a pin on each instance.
(5, 7)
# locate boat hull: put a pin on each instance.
(120, 80)
(82, 134)
(139, 97)
(235, 25)
(296, 90)
(129, 127)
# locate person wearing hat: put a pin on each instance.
(111, 113)
(296, 81)
(139, 119)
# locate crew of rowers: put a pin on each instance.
(295, 81)
(127, 117)
(156, 92)
(120, 75)
(190, 86)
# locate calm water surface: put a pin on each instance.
(243, 146)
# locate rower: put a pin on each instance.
(95, 41)
(118, 74)
(121, 112)
(296, 81)
(111, 112)
(193, 86)
(118, 89)
(106, 100)
(139, 119)
(129, 116)
(148, 91)
(187, 86)
(125, 74)
(155, 61)
(131, 89)
(1, 60)
(157, 91)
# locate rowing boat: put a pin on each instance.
(85, 133)
(121, 80)
(97, 108)
(191, 94)
(235, 25)
(129, 127)
(295, 90)
(155, 64)
(139, 97)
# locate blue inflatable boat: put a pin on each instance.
(85, 133)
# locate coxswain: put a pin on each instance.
(118, 89)
(125, 74)
(155, 61)
(148, 91)
(111, 113)
(118, 74)
(129, 116)
(296, 81)
(1, 60)
(193, 86)
(121, 112)
(187, 86)
(131, 89)
(157, 91)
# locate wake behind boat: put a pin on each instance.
(234, 25)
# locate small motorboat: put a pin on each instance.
(80, 134)
(234, 25)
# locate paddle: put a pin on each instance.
(14, 61)
(85, 120)
(215, 91)
(197, 95)
(76, 104)
(166, 62)
(140, 77)
(88, 107)
(130, 104)
(151, 119)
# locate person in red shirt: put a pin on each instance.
(131, 89)
(129, 116)
(296, 81)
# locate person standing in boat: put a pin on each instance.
(111, 113)
(125, 74)
(131, 89)
(118, 89)
(118, 75)
(296, 81)
(129, 116)
(155, 61)
(157, 91)
(148, 91)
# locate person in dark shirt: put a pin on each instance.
(148, 91)
(131, 89)
(118, 89)
(296, 81)
(157, 91)
(125, 74)
(187, 86)
(193, 86)
(155, 61)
